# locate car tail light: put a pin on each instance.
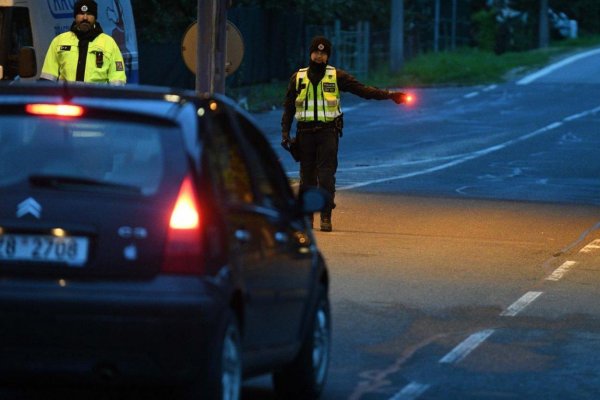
(54, 110)
(183, 250)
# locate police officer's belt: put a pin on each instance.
(315, 126)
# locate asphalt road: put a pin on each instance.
(465, 251)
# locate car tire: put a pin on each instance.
(305, 377)
(222, 379)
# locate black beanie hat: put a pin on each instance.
(321, 43)
(85, 6)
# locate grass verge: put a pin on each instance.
(465, 66)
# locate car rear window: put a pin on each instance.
(112, 152)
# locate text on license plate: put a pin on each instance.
(72, 250)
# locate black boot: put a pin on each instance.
(326, 222)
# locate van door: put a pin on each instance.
(116, 18)
(15, 33)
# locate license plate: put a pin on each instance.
(72, 250)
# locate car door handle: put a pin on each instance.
(242, 235)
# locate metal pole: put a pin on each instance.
(397, 36)
(220, 47)
(339, 46)
(210, 65)
(544, 29)
(205, 63)
(436, 27)
(367, 46)
(454, 22)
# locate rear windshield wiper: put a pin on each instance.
(70, 182)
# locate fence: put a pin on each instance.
(276, 45)
(351, 47)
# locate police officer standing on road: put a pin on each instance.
(84, 53)
(313, 97)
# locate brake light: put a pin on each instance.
(54, 110)
(409, 99)
(185, 213)
(183, 250)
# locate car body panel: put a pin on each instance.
(119, 310)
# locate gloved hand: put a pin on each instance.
(398, 97)
(285, 140)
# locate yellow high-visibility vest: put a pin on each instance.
(327, 101)
(63, 54)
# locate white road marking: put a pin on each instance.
(471, 95)
(411, 391)
(466, 347)
(575, 116)
(595, 245)
(545, 71)
(473, 155)
(490, 88)
(520, 304)
(400, 163)
(561, 271)
(352, 108)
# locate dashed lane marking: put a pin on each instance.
(561, 271)
(466, 347)
(411, 391)
(519, 305)
(594, 245)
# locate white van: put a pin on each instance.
(26, 24)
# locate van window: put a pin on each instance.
(19, 35)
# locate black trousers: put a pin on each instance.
(319, 161)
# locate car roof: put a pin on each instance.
(157, 101)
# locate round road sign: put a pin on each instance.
(234, 49)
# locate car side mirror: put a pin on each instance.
(313, 200)
(27, 62)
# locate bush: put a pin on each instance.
(486, 29)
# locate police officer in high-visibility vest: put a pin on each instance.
(84, 53)
(313, 98)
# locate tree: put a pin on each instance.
(325, 12)
(163, 21)
(544, 35)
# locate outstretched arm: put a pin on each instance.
(348, 83)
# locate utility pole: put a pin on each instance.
(397, 36)
(436, 27)
(544, 27)
(454, 22)
(210, 65)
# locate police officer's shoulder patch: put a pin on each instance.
(119, 65)
(65, 48)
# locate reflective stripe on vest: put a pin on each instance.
(327, 101)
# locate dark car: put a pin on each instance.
(152, 236)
